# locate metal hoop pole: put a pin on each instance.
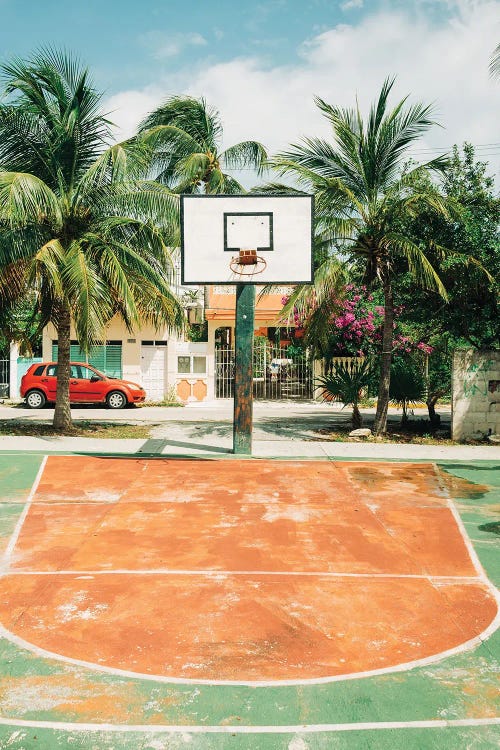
(243, 369)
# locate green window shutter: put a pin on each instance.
(75, 353)
(97, 358)
(106, 358)
(114, 360)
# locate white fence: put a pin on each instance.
(4, 378)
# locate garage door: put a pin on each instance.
(154, 369)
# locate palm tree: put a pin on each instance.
(362, 192)
(78, 228)
(347, 384)
(185, 135)
(495, 63)
(407, 385)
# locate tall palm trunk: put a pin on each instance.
(380, 424)
(62, 414)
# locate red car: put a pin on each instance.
(86, 386)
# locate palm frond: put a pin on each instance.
(246, 154)
(495, 63)
(88, 294)
(346, 383)
(231, 186)
(129, 160)
(25, 199)
(193, 167)
(419, 265)
(44, 269)
(193, 116)
(276, 188)
(53, 93)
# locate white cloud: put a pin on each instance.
(445, 64)
(163, 45)
(351, 4)
(128, 108)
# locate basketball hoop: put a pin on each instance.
(247, 263)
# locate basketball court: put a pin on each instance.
(256, 603)
(159, 603)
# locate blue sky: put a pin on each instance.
(261, 63)
(127, 42)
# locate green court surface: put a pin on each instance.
(449, 704)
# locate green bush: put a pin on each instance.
(347, 384)
(407, 384)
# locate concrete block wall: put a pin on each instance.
(475, 394)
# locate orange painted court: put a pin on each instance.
(242, 572)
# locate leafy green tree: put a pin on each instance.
(185, 134)
(362, 190)
(470, 270)
(78, 228)
(19, 324)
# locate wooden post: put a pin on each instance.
(243, 369)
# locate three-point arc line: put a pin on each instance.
(288, 729)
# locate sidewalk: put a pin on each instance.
(218, 447)
(281, 430)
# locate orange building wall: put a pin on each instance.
(222, 304)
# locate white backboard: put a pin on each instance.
(215, 228)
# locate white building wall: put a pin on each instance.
(192, 387)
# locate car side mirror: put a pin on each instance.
(94, 379)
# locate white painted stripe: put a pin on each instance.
(20, 522)
(463, 532)
(403, 667)
(68, 726)
(470, 549)
(467, 645)
(278, 573)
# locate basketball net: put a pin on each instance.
(247, 263)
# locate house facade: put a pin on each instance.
(168, 366)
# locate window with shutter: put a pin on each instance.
(104, 357)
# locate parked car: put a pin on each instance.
(86, 386)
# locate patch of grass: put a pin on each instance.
(418, 432)
(81, 428)
(166, 403)
(170, 399)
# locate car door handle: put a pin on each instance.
(73, 382)
(45, 380)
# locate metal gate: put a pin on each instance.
(4, 378)
(278, 374)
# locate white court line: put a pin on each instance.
(214, 573)
(402, 667)
(463, 532)
(19, 525)
(467, 645)
(69, 726)
(468, 544)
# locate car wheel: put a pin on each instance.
(116, 400)
(35, 399)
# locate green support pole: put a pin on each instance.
(243, 369)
